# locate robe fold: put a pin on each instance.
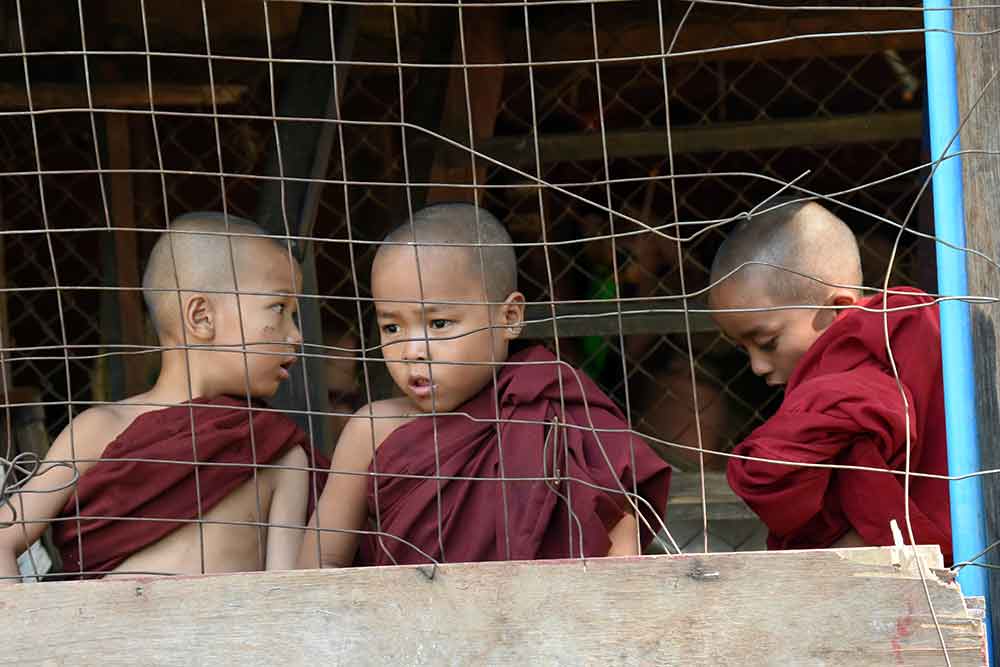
(115, 491)
(843, 406)
(544, 431)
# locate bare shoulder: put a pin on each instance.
(89, 432)
(373, 423)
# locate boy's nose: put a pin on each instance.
(759, 366)
(415, 349)
(295, 337)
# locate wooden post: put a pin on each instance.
(130, 311)
(978, 61)
(305, 152)
(485, 42)
(5, 336)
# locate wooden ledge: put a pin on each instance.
(843, 607)
(119, 95)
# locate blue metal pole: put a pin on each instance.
(968, 523)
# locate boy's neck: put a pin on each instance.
(180, 378)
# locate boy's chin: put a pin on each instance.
(437, 404)
(262, 391)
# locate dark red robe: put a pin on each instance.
(593, 466)
(114, 492)
(842, 406)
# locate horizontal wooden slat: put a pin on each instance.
(784, 30)
(719, 137)
(644, 316)
(722, 504)
(118, 96)
(844, 607)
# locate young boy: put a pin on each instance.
(479, 459)
(842, 403)
(194, 461)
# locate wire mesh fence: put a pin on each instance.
(596, 132)
(703, 94)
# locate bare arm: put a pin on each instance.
(624, 540)
(343, 507)
(45, 494)
(849, 539)
(288, 508)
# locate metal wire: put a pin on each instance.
(380, 102)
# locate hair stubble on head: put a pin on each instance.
(198, 252)
(472, 230)
(798, 249)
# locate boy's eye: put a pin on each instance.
(390, 329)
(439, 324)
(279, 308)
(769, 345)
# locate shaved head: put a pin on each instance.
(801, 236)
(200, 256)
(466, 228)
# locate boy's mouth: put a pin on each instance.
(420, 386)
(285, 367)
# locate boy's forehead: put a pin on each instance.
(740, 326)
(265, 263)
(752, 287)
(741, 293)
(444, 274)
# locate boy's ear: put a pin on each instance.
(199, 317)
(839, 298)
(512, 315)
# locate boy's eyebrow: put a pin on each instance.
(752, 332)
(426, 307)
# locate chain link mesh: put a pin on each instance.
(703, 93)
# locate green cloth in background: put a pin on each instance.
(595, 348)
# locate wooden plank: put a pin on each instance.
(291, 207)
(842, 607)
(552, 42)
(642, 316)
(5, 338)
(130, 310)
(721, 502)
(759, 135)
(978, 58)
(485, 41)
(237, 26)
(118, 95)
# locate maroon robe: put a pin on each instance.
(114, 492)
(538, 523)
(842, 406)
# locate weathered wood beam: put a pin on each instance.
(126, 254)
(485, 41)
(843, 607)
(978, 58)
(118, 95)
(291, 207)
(555, 43)
(5, 336)
(642, 316)
(426, 108)
(760, 135)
